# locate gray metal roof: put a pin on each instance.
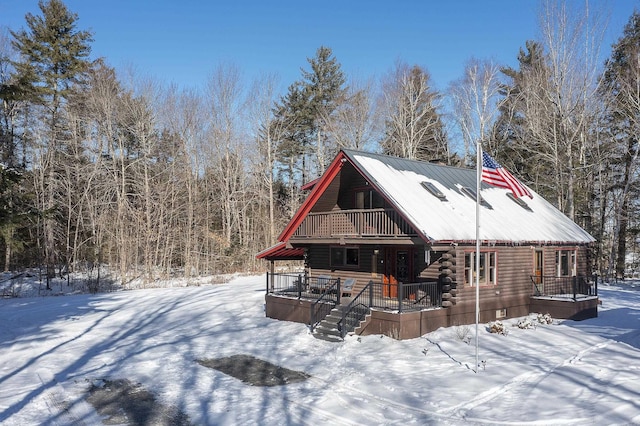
(502, 219)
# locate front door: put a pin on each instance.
(398, 268)
(538, 266)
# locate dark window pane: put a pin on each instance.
(337, 256)
(352, 256)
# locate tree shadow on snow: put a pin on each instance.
(621, 325)
(123, 402)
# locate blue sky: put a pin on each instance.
(183, 41)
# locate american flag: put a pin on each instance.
(494, 174)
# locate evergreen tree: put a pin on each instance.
(301, 117)
(53, 54)
(53, 57)
(622, 82)
(517, 146)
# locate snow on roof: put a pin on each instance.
(453, 219)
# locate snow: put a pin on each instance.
(53, 348)
(454, 219)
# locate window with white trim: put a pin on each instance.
(566, 263)
(486, 275)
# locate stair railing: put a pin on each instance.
(328, 300)
(356, 310)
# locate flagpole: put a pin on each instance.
(477, 274)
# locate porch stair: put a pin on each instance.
(328, 330)
(328, 327)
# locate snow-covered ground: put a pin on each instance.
(52, 349)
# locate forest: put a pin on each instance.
(102, 168)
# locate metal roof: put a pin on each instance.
(502, 220)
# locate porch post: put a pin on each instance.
(273, 270)
(400, 296)
(370, 293)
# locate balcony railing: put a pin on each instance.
(355, 223)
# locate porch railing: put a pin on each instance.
(326, 293)
(303, 286)
(361, 223)
(564, 287)
(401, 297)
(287, 284)
(393, 296)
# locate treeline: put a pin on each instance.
(101, 169)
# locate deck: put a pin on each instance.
(364, 223)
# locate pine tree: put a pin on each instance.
(622, 80)
(302, 117)
(53, 57)
(518, 146)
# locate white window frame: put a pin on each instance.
(568, 269)
(488, 268)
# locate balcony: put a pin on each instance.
(365, 223)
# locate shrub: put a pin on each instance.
(545, 319)
(526, 323)
(498, 327)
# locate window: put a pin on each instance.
(433, 190)
(566, 263)
(471, 193)
(368, 199)
(519, 201)
(345, 256)
(487, 273)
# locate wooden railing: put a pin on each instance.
(356, 223)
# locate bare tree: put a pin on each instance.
(475, 104)
(184, 119)
(352, 124)
(267, 131)
(572, 42)
(413, 128)
(225, 153)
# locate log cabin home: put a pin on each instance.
(389, 247)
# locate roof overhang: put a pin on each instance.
(282, 251)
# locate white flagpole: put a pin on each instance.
(477, 274)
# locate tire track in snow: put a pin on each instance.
(527, 379)
(347, 394)
(578, 357)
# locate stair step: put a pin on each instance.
(333, 318)
(327, 330)
(328, 337)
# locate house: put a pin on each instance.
(389, 246)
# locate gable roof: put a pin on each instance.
(501, 218)
(449, 217)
